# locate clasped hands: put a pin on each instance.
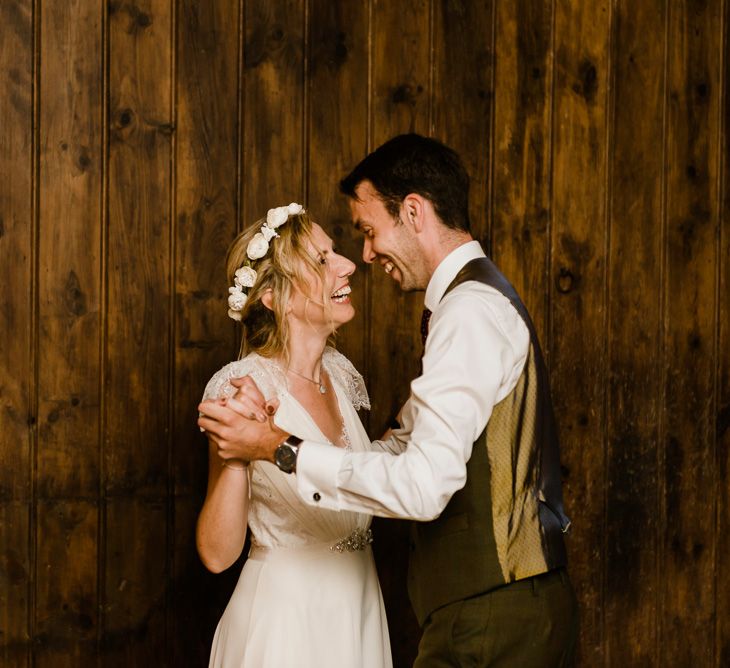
(242, 426)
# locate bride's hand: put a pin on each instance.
(249, 402)
(235, 435)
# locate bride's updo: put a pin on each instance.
(283, 265)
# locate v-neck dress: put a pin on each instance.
(308, 594)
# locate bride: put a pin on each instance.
(308, 594)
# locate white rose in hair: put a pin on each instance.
(257, 247)
(236, 299)
(268, 233)
(235, 315)
(295, 209)
(277, 217)
(245, 277)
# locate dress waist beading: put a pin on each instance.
(357, 541)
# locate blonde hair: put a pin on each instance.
(281, 270)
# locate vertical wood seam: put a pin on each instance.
(35, 331)
(719, 266)
(492, 132)
(608, 208)
(431, 70)
(240, 135)
(660, 499)
(306, 115)
(368, 147)
(240, 224)
(171, 341)
(240, 79)
(369, 96)
(548, 301)
(103, 329)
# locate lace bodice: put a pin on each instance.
(277, 516)
(271, 379)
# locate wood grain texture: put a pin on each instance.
(463, 97)
(16, 239)
(137, 350)
(687, 558)
(578, 296)
(69, 262)
(66, 584)
(273, 123)
(17, 406)
(521, 207)
(634, 332)
(206, 206)
(135, 583)
(138, 245)
(722, 387)
(337, 131)
(15, 573)
(69, 250)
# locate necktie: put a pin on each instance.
(425, 317)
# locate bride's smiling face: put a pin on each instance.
(325, 300)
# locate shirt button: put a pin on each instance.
(316, 496)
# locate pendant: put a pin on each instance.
(322, 389)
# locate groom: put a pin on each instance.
(474, 458)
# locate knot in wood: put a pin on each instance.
(565, 281)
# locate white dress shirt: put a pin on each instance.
(475, 353)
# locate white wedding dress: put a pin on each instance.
(308, 594)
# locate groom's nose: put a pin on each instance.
(368, 255)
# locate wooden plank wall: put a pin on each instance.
(137, 137)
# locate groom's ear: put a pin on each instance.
(267, 299)
(413, 207)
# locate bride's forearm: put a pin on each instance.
(221, 528)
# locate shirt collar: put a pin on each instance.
(447, 270)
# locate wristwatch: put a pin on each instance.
(285, 455)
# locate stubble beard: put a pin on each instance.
(409, 281)
(406, 283)
(408, 260)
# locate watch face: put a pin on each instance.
(286, 458)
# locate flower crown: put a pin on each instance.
(245, 276)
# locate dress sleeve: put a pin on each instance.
(262, 371)
(349, 378)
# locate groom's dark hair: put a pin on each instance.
(412, 163)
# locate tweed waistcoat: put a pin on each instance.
(507, 522)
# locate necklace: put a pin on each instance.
(318, 383)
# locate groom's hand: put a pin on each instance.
(236, 436)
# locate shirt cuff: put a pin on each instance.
(318, 467)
